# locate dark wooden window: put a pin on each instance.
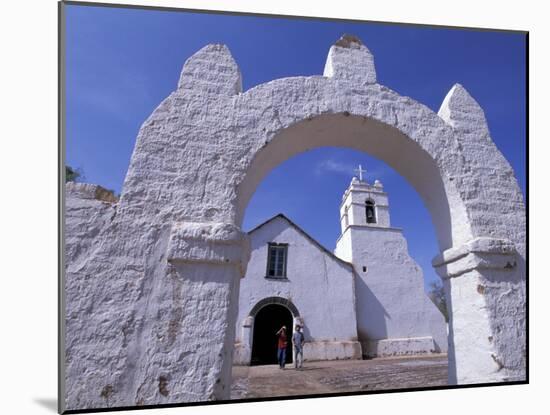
(276, 260)
(371, 215)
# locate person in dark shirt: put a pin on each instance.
(281, 346)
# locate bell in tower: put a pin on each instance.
(370, 211)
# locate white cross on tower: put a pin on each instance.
(360, 171)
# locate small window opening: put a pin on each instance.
(371, 217)
(276, 260)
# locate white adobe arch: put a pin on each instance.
(285, 302)
(345, 128)
(176, 247)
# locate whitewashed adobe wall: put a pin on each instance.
(391, 303)
(318, 284)
(394, 315)
(158, 287)
(89, 208)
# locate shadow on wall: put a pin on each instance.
(371, 307)
(306, 333)
(450, 337)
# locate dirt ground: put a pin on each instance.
(339, 376)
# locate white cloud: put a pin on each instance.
(332, 166)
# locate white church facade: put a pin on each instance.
(366, 299)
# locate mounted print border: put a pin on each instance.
(150, 277)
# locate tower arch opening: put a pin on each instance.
(370, 211)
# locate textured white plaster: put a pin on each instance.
(480, 253)
(488, 269)
(224, 76)
(211, 242)
(135, 321)
(332, 350)
(88, 209)
(349, 59)
(401, 347)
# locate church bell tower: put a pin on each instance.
(363, 206)
(394, 316)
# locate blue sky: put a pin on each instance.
(121, 63)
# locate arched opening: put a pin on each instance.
(269, 319)
(388, 144)
(370, 212)
(402, 153)
(312, 200)
(429, 152)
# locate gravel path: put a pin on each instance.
(339, 376)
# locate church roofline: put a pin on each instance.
(316, 243)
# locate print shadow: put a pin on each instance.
(48, 403)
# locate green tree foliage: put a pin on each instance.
(73, 175)
(437, 295)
